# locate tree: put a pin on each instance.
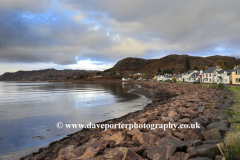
(172, 69)
(168, 71)
(220, 63)
(187, 65)
(159, 70)
(195, 68)
(98, 73)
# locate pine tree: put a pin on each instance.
(195, 68)
(159, 70)
(187, 65)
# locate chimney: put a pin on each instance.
(235, 67)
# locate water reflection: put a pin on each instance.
(29, 111)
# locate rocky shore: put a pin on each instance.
(174, 103)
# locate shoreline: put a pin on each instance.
(160, 102)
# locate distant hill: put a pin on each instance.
(176, 61)
(40, 75)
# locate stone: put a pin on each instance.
(179, 156)
(202, 120)
(174, 115)
(66, 149)
(164, 152)
(115, 153)
(193, 114)
(132, 132)
(205, 150)
(171, 141)
(221, 125)
(200, 158)
(191, 136)
(184, 120)
(140, 149)
(212, 134)
(131, 155)
(121, 139)
(193, 100)
(219, 157)
(144, 138)
(179, 135)
(91, 152)
(115, 136)
(167, 119)
(201, 109)
(193, 143)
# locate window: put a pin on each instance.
(203, 75)
(237, 80)
(206, 75)
(225, 80)
(210, 75)
(209, 80)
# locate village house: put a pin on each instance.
(193, 77)
(208, 74)
(138, 74)
(164, 77)
(223, 76)
(186, 76)
(179, 77)
(126, 79)
(236, 75)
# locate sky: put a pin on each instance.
(94, 34)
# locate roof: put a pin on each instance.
(227, 70)
(192, 76)
(219, 77)
(210, 70)
(238, 68)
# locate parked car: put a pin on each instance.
(167, 80)
(196, 82)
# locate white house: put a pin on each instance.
(164, 77)
(186, 76)
(223, 76)
(179, 77)
(208, 74)
(193, 77)
(139, 79)
(126, 79)
(138, 74)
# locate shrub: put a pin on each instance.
(220, 86)
(232, 149)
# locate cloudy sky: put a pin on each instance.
(95, 34)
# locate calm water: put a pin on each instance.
(29, 111)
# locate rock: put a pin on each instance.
(184, 121)
(221, 125)
(131, 155)
(193, 143)
(201, 109)
(205, 150)
(121, 139)
(91, 152)
(174, 115)
(167, 119)
(144, 138)
(200, 158)
(171, 141)
(100, 157)
(115, 136)
(194, 100)
(179, 135)
(132, 132)
(191, 136)
(193, 114)
(180, 156)
(212, 134)
(140, 149)
(164, 152)
(202, 120)
(115, 154)
(219, 157)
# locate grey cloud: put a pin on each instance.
(156, 27)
